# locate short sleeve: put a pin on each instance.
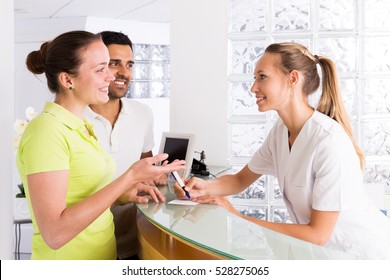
(43, 148)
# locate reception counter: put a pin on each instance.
(205, 231)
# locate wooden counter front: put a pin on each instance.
(157, 244)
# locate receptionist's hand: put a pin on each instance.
(219, 200)
(195, 186)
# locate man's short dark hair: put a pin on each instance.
(112, 37)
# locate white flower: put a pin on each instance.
(30, 113)
(20, 126)
(15, 143)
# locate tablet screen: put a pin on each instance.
(176, 148)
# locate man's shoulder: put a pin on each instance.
(134, 105)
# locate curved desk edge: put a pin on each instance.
(155, 243)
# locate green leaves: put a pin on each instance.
(21, 189)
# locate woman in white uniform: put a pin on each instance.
(313, 155)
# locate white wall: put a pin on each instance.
(6, 124)
(199, 74)
(138, 32)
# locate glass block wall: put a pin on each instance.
(356, 35)
(150, 71)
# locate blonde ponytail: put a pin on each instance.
(331, 102)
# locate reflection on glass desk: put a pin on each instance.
(213, 229)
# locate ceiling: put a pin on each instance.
(139, 10)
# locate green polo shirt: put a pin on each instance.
(58, 140)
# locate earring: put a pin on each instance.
(70, 88)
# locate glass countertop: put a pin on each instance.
(214, 228)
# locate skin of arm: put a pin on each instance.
(317, 231)
(59, 224)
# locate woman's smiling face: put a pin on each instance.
(271, 84)
(94, 77)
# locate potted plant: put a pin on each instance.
(21, 189)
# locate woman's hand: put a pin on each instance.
(138, 193)
(146, 170)
(161, 180)
(219, 200)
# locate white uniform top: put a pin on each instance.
(322, 172)
(131, 136)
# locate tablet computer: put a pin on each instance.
(178, 146)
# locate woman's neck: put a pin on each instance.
(76, 108)
(295, 118)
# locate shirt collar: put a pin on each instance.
(124, 108)
(90, 114)
(63, 115)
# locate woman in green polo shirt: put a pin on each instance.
(66, 174)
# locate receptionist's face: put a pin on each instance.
(270, 85)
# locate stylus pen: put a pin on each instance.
(181, 183)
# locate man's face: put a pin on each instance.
(121, 65)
